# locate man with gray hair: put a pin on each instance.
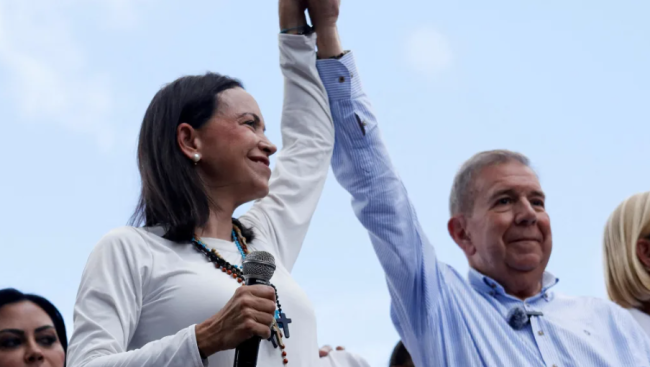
(504, 313)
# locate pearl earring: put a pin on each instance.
(196, 158)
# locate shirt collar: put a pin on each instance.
(485, 284)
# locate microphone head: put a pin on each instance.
(259, 265)
(517, 318)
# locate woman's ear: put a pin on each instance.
(643, 251)
(189, 141)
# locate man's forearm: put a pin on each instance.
(324, 14)
(328, 42)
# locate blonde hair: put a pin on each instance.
(626, 277)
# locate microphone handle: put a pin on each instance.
(246, 352)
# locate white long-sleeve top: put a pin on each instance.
(141, 295)
(642, 318)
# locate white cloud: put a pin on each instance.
(46, 70)
(428, 51)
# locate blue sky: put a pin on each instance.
(566, 83)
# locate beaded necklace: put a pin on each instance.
(281, 321)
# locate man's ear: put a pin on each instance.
(457, 227)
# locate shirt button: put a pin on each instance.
(554, 365)
(341, 79)
(540, 333)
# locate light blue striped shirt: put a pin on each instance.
(443, 318)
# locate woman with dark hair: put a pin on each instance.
(169, 293)
(32, 332)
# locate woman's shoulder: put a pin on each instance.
(138, 241)
(123, 235)
(642, 318)
(129, 241)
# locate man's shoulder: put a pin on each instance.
(595, 306)
(601, 316)
(595, 302)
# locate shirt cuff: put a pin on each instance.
(195, 348)
(306, 41)
(340, 77)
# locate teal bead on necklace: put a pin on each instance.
(239, 247)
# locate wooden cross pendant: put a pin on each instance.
(284, 322)
(274, 337)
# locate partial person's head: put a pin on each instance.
(626, 248)
(499, 220)
(202, 144)
(400, 357)
(32, 332)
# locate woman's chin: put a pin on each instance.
(260, 189)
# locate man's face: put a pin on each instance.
(507, 235)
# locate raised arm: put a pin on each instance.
(362, 166)
(307, 142)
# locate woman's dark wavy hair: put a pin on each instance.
(9, 296)
(173, 195)
(401, 356)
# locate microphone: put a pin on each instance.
(518, 317)
(258, 269)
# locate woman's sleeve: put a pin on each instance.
(303, 162)
(108, 307)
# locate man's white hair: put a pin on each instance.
(463, 191)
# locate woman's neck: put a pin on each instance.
(219, 225)
(645, 308)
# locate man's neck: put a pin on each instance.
(522, 288)
(524, 293)
(523, 285)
